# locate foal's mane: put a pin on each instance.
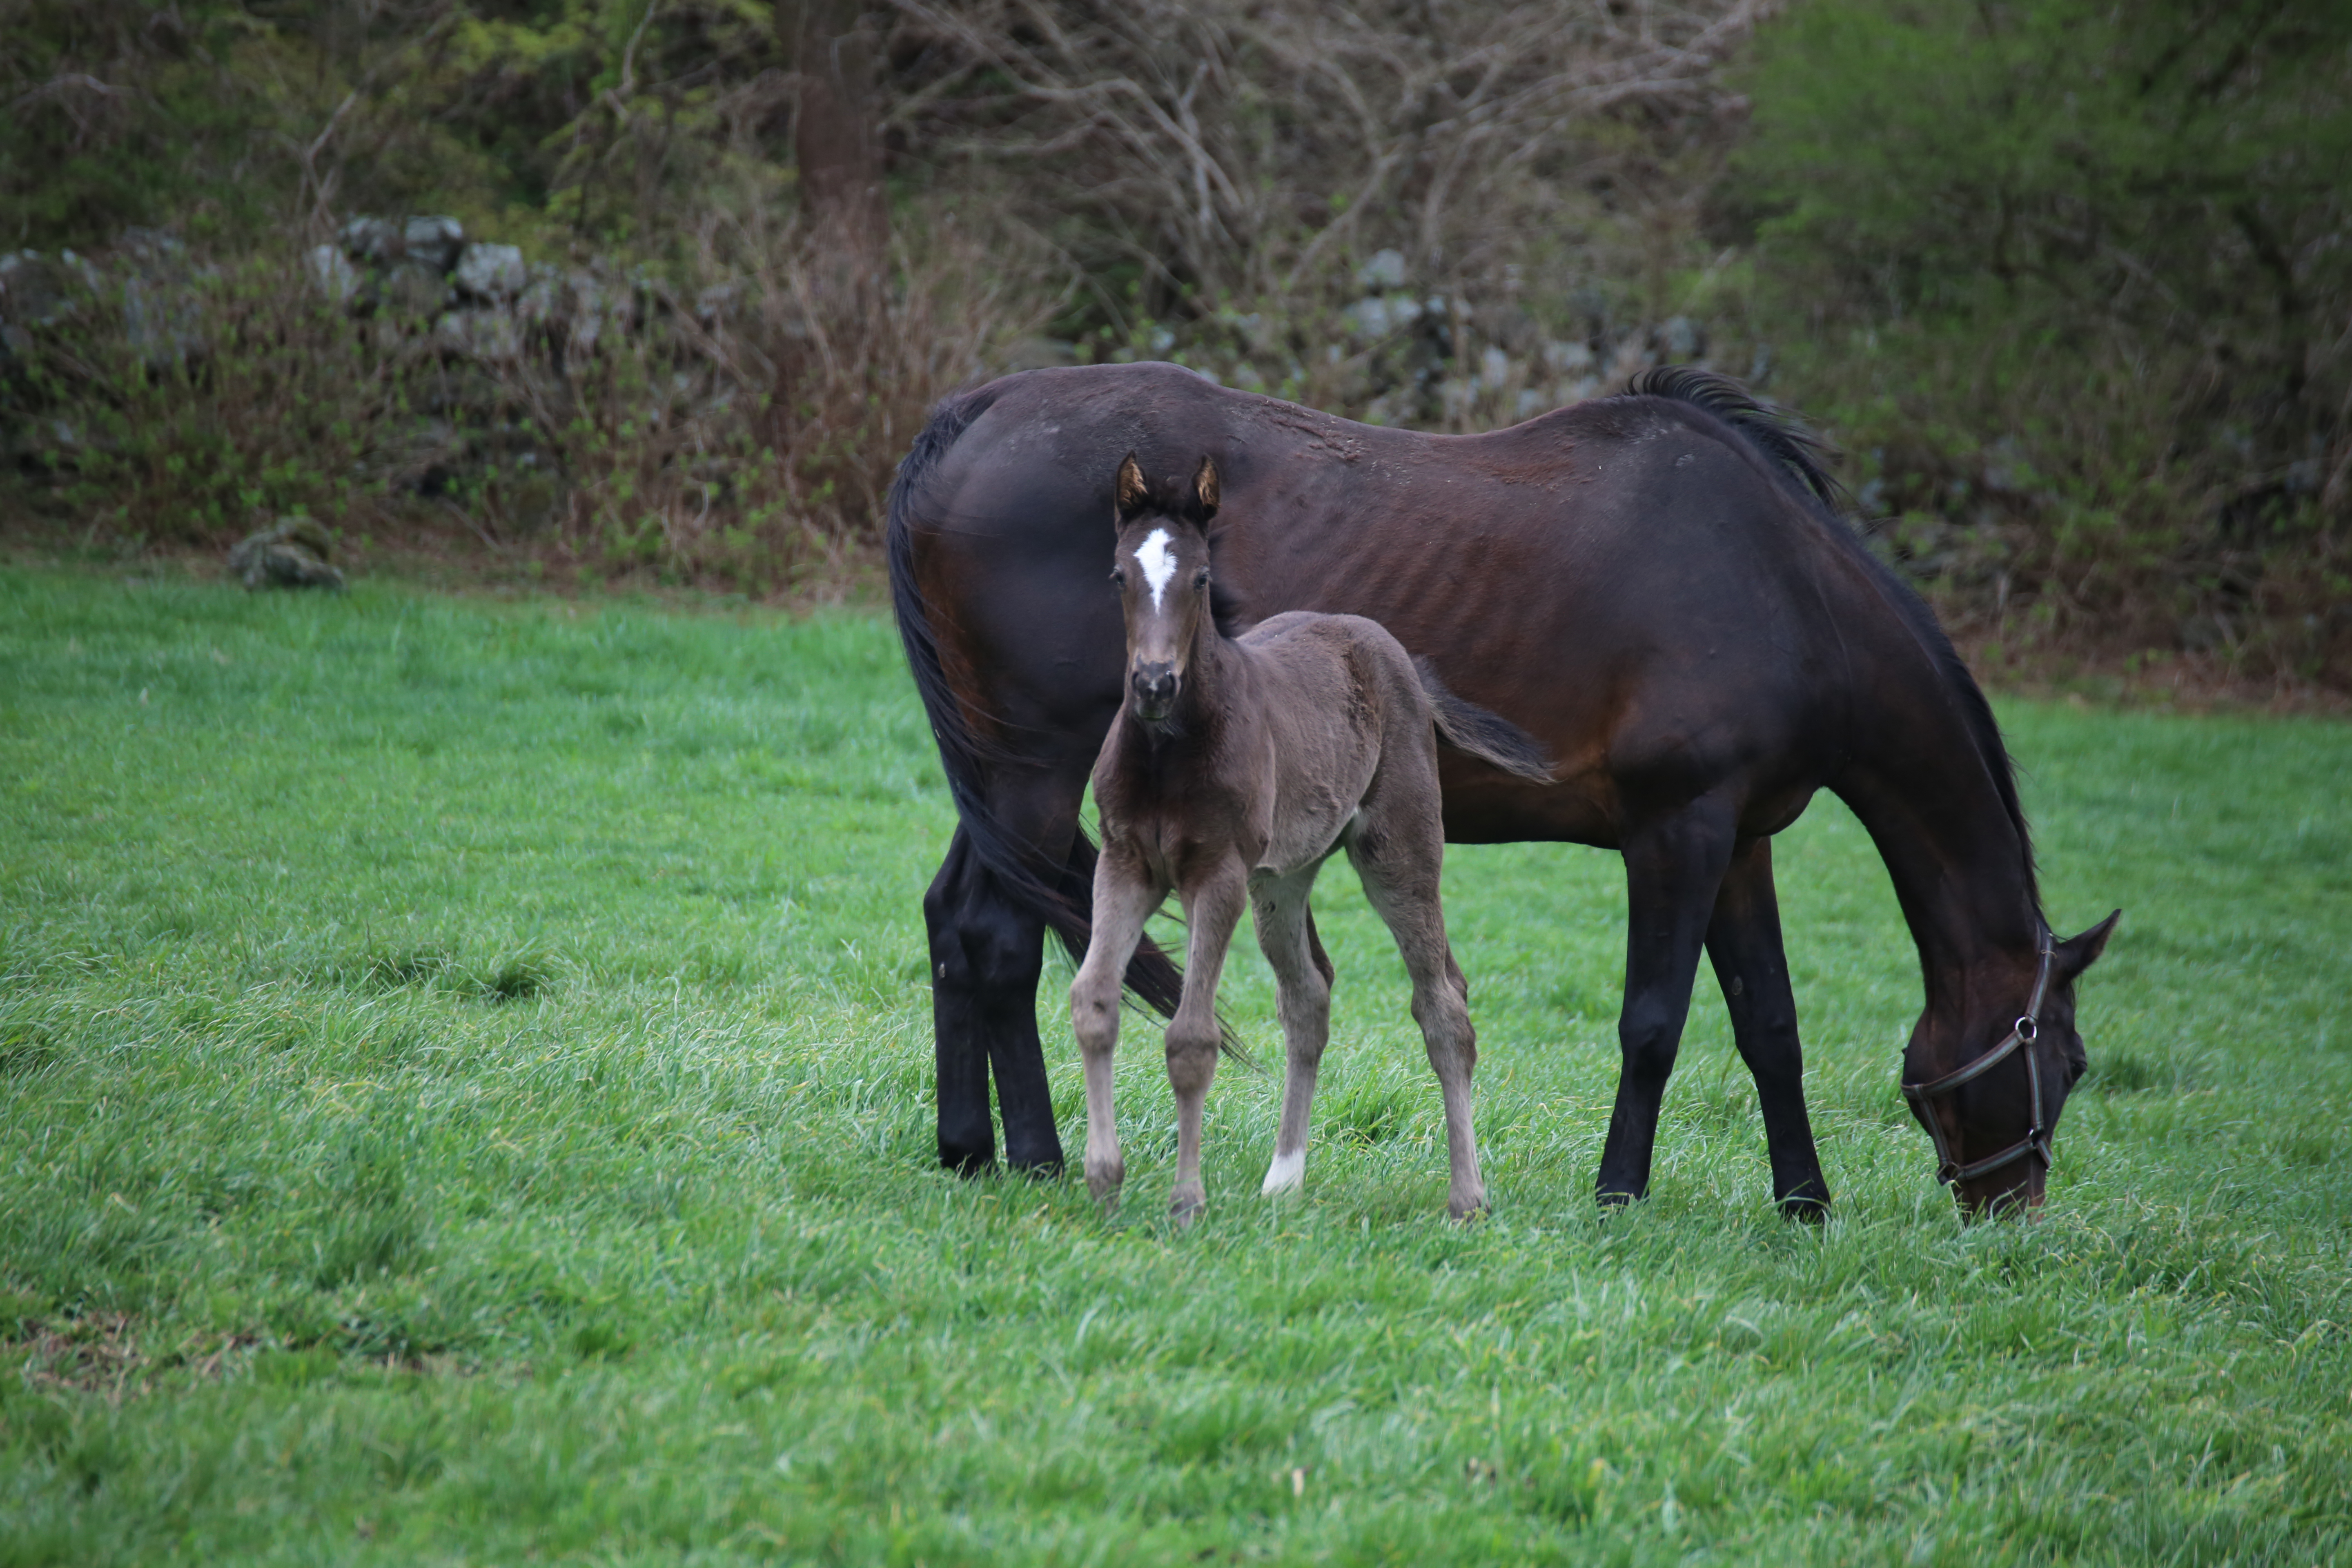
(1801, 459)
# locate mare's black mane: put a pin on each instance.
(1797, 454)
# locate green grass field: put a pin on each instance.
(465, 1097)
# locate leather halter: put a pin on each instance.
(2023, 1033)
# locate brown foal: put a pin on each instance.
(1236, 768)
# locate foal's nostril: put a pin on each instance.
(1155, 685)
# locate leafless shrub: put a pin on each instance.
(1231, 150)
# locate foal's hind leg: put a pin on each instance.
(1212, 907)
(1744, 940)
(1399, 849)
(1302, 977)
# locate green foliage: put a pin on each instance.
(574, 120)
(2073, 272)
(2181, 164)
(125, 112)
(314, 1247)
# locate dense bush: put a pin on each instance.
(2076, 278)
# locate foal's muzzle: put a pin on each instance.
(1155, 691)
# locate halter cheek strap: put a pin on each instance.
(2023, 1032)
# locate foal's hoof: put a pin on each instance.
(1186, 1207)
(1104, 1179)
(1464, 1214)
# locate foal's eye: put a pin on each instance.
(1200, 578)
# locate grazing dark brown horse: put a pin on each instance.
(1233, 770)
(1655, 586)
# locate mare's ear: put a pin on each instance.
(2077, 953)
(1205, 486)
(1129, 489)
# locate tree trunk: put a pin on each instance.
(830, 44)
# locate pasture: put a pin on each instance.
(465, 1096)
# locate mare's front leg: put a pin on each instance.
(1212, 907)
(1674, 866)
(1744, 941)
(1125, 894)
(1302, 977)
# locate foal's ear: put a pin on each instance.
(1204, 485)
(1129, 489)
(2077, 953)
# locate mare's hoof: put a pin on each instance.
(1611, 1201)
(1047, 1170)
(1812, 1208)
(968, 1161)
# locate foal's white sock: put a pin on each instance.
(1287, 1174)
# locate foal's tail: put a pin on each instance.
(1489, 737)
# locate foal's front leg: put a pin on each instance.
(1125, 895)
(1212, 907)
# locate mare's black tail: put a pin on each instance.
(1062, 895)
(1487, 736)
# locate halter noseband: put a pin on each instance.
(2023, 1033)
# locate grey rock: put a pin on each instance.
(410, 290)
(1568, 358)
(332, 271)
(1374, 317)
(1384, 270)
(164, 322)
(163, 314)
(152, 251)
(492, 271)
(33, 291)
(544, 299)
(293, 552)
(373, 240)
(493, 335)
(1681, 339)
(434, 242)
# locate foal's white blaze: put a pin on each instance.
(1159, 563)
(1287, 1174)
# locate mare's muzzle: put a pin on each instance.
(1155, 691)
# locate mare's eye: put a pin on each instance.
(1117, 576)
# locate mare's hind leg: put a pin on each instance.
(1212, 907)
(1399, 849)
(1125, 894)
(1674, 866)
(1302, 978)
(1744, 941)
(987, 952)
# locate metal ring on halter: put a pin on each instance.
(2025, 1032)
